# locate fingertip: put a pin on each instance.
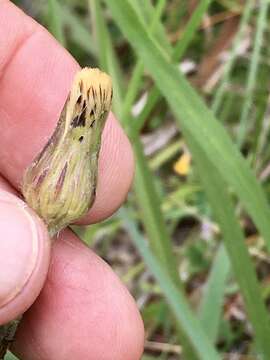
(43, 83)
(101, 320)
(24, 256)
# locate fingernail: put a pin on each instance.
(19, 247)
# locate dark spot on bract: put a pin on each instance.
(92, 123)
(100, 92)
(81, 138)
(92, 112)
(79, 120)
(79, 99)
(80, 85)
(88, 92)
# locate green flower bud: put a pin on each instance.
(60, 184)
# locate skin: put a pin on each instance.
(79, 289)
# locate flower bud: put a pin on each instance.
(60, 184)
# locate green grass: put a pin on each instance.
(252, 73)
(199, 275)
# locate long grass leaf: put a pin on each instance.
(146, 11)
(212, 300)
(107, 58)
(233, 54)
(150, 211)
(252, 74)
(196, 121)
(209, 142)
(178, 52)
(153, 218)
(191, 27)
(79, 33)
(235, 245)
(55, 21)
(190, 324)
(136, 78)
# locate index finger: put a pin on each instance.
(36, 74)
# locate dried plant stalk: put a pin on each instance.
(60, 184)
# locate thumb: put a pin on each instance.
(24, 256)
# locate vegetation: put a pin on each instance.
(192, 241)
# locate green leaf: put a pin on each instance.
(189, 323)
(196, 121)
(153, 220)
(244, 123)
(136, 80)
(234, 242)
(79, 32)
(190, 29)
(107, 58)
(212, 301)
(233, 54)
(218, 161)
(150, 211)
(177, 53)
(55, 21)
(146, 11)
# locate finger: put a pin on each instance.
(36, 78)
(24, 255)
(83, 312)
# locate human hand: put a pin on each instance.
(83, 310)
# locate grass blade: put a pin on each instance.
(209, 144)
(212, 301)
(229, 65)
(55, 21)
(178, 52)
(150, 211)
(100, 32)
(254, 63)
(107, 58)
(190, 29)
(196, 121)
(146, 12)
(235, 245)
(136, 79)
(79, 32)
(189, 323)
(153, 219)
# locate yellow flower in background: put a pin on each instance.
(182, 165)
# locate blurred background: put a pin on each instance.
(191, 241)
